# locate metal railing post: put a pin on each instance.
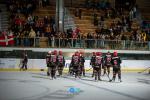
(34, 41)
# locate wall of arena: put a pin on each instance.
(38, 64)
(8, 63)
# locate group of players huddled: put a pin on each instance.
(56, 62)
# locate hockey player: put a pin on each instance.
(48, 58)
(24, 61)
(71, 72)
(92, 62)
(75, 64)
(116, 61)
(98, 65)
(107, 63)
(61, 63)
(82, 60)
(53, 64)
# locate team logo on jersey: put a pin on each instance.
(60, 59)
(98, 60)
(108, 59)
(53, 58)
(75, 59)
(115, 62)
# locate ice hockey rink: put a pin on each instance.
(38, 86)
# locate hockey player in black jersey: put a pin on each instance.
(81, 64)
(53, 64)
(98, 65)
(116, 61)
(61, 63)
(107, 63)
(75, 63)
(92, 62)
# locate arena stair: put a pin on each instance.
(4, 17)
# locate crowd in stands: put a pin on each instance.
(25, 7)
(121, 22)
(24, 24)
(32, 26)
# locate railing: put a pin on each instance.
(81, 43)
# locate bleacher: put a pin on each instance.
(86, 22)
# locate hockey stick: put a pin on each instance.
(108, 76)
(20, 64)
(144, 70)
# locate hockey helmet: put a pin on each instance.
(55, 52)
(81, 53)
(115, 53)
(49, 52)
(97, 54)
(60, 52)
(94, 53)
(100, 53)
(108, 52)
(77, 53)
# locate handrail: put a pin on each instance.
(81, 43)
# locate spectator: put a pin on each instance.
(78, 12)
(77, 30)
(89, 39)
(40, 3)
(134, 12)
(37, 39)
(19, 38)
(52, 40)
(47, 31)
(30, 20)
(32, 35)
(144, 36)
(52, 23)
(46, 20)
(131, 14)
(58, 39)
(74, 37)
(95, 19)
(26, 39)
(44, 2)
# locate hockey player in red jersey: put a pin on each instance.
(107, 63)
(116, 61)
(75, 63)
(61, 63)
(53, 64)
(98, 65)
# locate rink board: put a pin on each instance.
(38, 64)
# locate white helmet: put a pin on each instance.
(49, 52)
